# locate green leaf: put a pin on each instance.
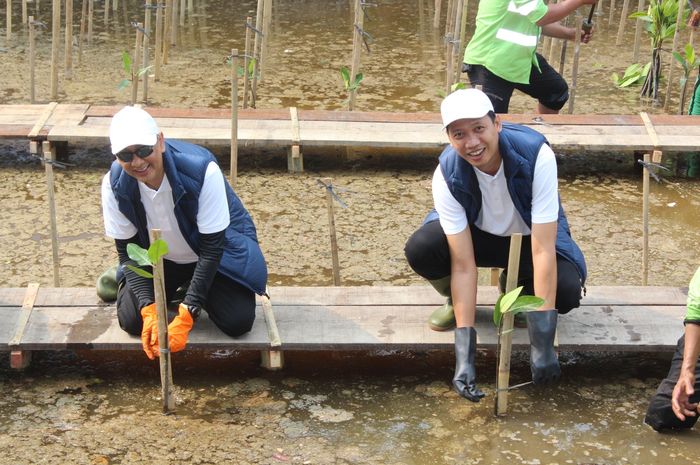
(143, 71)
(358, 80)
(157, 249)
(509, 299)
(140, 271)
(345, 74)
(138, 254)
(123, 84)
(497, 314)
(126, 62)
(526, 303)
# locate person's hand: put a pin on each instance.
(149, 333)
(179, 329)
(680, 399)
(586, 35)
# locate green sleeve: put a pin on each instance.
(693, 312)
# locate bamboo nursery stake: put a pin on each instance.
(55, 38)
(8, 28)
(183, 5)
(574, 66)
(81, 36)
(623, 22)
(166, 373)
(612, 12)
(328, 183)
(506, 334)
(638, 33)
(24, 13)
(267, 20)
(32, 60)
(246, 61)
(68, 62)
(356, 49)
(135, 64)
(672, 59)
(106, 13)
(645, 220)
(158, 46)
(49, 152)
(173, 22)
(436, 18)
(167, 19)
(234, 117)
(146, 48)
(91, 14)
(257, 46)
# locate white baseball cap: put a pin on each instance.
(132, 126)
(464, 104)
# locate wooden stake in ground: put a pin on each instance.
(257, 46)
(167, 17)
(267, 20)
(91, 13)
(68, 66)
(246, 61)
(32, 60)
(328, 183)
(158, 46)
(166, 373)
(623, 22)
(356, 49)
(638, 33)
(574, 66)
(136, 63)
(24, 14)
(234, 117)
(81, 36)
(55, 38)
(49, 153)
(8, 28)
(672, 59)
(436, 18)
(505, 336)
(645, 220)
(146, 48)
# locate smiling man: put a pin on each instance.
(213, 255)
(494, 180)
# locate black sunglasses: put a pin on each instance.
(142, 151)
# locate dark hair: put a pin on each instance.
(491, 114)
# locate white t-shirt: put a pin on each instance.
(212, 217)
(498, 214)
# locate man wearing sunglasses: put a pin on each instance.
(213, 251)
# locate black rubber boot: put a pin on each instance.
(464, 381)
(541, 326)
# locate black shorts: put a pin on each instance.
(546, 85)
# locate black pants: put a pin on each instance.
(660, 415)
(230, 306)
(546, 85)
(428, 254)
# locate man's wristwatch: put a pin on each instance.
(194, 310)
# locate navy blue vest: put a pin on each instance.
(519, 147)
(185, 166)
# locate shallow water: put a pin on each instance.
(386, 408)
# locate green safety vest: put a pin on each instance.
(506, 38)
(693, 311)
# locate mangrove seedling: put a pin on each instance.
(127, 64)
(144, 257)
(513, 302)
(689, 61)
(633, 75)
(351, 85)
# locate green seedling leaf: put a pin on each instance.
(358, 80)
(140, 272)
(457, 86)
(525, 303)
(123, 84)
(157, 249)
(143, 71)
(138, 254)
(345, 74)
(504, 303)
(497, 314)
(126, 62)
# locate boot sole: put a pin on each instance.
(441, 328)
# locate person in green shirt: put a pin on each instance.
(675, 403)
(501, 57)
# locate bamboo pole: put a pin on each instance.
(91, 14)
(166, 373)
(612, 12)
(267, 21)
(49, 152)
(135, 64)
(246, 61)
(623, 22)
(328, 182)
(25, 13)
(457, 47)
(106, 12)
(462, 38)
(190, 9)
(638, 33)
(505, 335)
(55, 38)
(173, 22)
(645, 220)
(257, 45)
(574, 66)
(32, 61)
(68, 64)
(234, 117)
(449, 45)
(356, 50)
(436, 18)
(158, 46)
(167, 19)
(114, 7)
(146, 48)
(81, 35)
(562, 56)
(8, 27)
(672, 59)
(182, 12)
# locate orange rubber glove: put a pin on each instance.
(179, 329)
(149, 333)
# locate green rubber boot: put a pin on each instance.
(107, 285)
(442, 318)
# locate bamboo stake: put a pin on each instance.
(328, 182)
(612, 12)
(68, 66)
(672, 59)
(146, 48)
(457, 47)
(256, 52)
(574, 66)
(135, 64)
(91, 13)
(623, 22)
(167, 17)
(173, 22)
(234, 117)
(246, 61)
(106, 12)
(8, 28)
(166, 373)
(645, 221)
(436, 18)
(55, 38)
(182, 12)
(81, 35)
(114, 7)
(356, 50)
(505, 335)
(32, 60)
(24, 13)
(462, 38)
(158, 46)
(562, 56)
(638, 33)
(190, 9)
(267, 21)
(449, 45)
(49, 157)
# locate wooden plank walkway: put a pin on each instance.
(611, 318)
(273, 128)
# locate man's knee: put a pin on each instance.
(237, 323)
(660, 415)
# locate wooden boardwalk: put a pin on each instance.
(611, 318)
(76, 123)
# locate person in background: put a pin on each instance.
(501, 56)
(675, 403)
(493, 180)
(213, 253)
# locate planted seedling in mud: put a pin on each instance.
(513, 302)
(350, 85)
(127, 65)
(633, 75)
(143, 257)
(689, 61)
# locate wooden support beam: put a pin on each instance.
(273, 358)
(295, 159)
(20, 359)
